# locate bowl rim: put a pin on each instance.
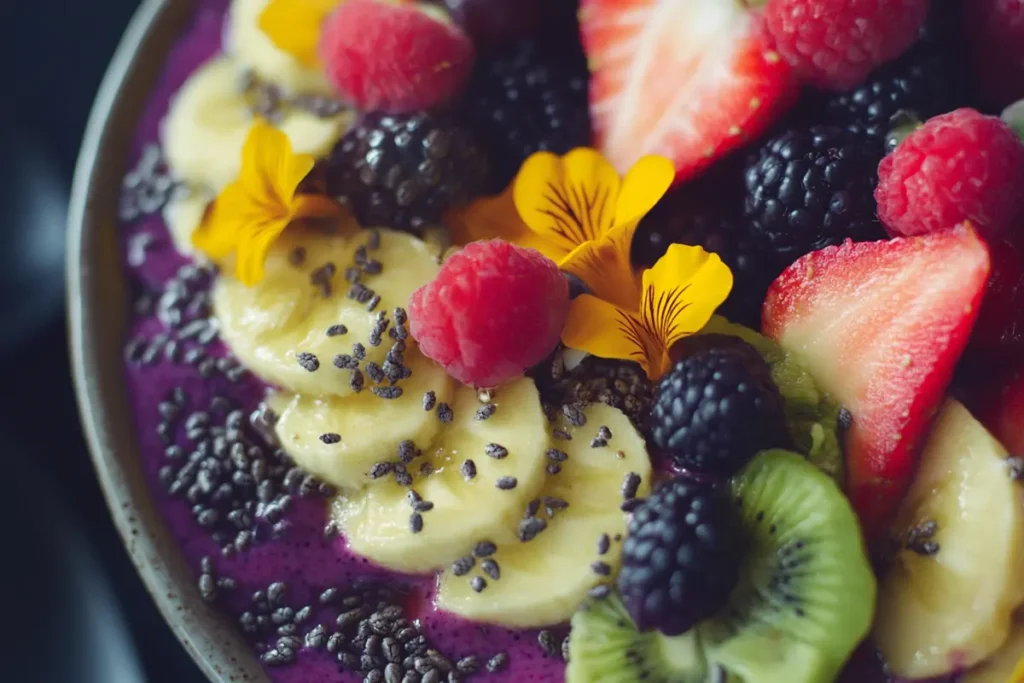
(97, 319)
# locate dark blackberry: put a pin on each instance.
(405, 171)
(686, 217)
(809, 188)
(926, 81)
(525, 101)
(717, 408)
(681, 558)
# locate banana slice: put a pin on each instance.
(183, 214)
(1006, 665)
(270, 324)
(543, 580)
(378, 521)
(340, 439)
(948, 605)
(209, 120)
(251, 46)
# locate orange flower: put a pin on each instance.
(252, 212)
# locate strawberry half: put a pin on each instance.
(881, 326)
(690, 80)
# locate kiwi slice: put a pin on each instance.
(806, 593)
(606, 647)
(812, 418)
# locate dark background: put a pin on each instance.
(77, 612)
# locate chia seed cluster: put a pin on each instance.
(619, 384)
(147, 188)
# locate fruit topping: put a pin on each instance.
(806, 593)
(494, 24)
(995, 30)
(881, 325)
(727, 84)
(812, 419)
(946, 601)
(567, 541)
(926, 81)
(425, 507)
(1003, 411)
(405, 171)
(1006, 665)
(493, 311)
(617, 383)
(681, 558)
(317, 284)
(527, 99)
(717, 408)
(810, 188)
(837, 43)
(394, 57)
(960, 166)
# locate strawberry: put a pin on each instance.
(881, 326)
(690, 80)
(396, 57)
(1003, 412)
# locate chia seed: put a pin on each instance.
(601, 568)
(444, 413)
(373, 302)
(478, 584)
(355, 381)
(388, 393)
(407, 451)
(463, 565)
(373, 240)
(484, 549)
(630, 504)
(491, 568)
(530, 527)
(630, 485)
(556, 455)
(322, 277)
(1015, 467)
(574, 414)
(468, 470)
(429, 401)
(598, 443)
(308, 361)
(506, 483)
(486, 411)
(353, 275)
(496, 451)
(599, 592)
(546, 640)
(381, 469)
(345, 362)
(497, 663)
(553, 468)
(603, 544)
(919, 539)
(330, 438)
(468, 665)
(374, 372)
(359, 351)
(562, 434)
(403, 478)
(336, 330)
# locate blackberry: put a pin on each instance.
(718, 407)
(809, 188)
(405, 171)
(688, 217)
(681, 558)
(926, 81)
(528, 100)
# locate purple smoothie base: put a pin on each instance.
(302, 558)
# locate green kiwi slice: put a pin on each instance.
(812, 418)
(606, 647)
(806, 594)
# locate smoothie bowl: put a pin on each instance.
(609, 341)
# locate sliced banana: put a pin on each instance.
(209, 120)
(251, 46)
(183, 214)
(340, 439)
(948, 606)
(466, 509)
(543, 580)
(1006, 665)
(270, 324)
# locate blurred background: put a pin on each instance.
(83, 614)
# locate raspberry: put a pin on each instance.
(836, 43)
(996, 45)
(493, 311)
(958, 167)
(395, 58)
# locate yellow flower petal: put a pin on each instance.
(568, 200)
(605, 267)
(221, 228)
(645, 183)
(271, 171)
(496, 218)
(294, 27)
(315, 206)
(596, 326)
(253, 250)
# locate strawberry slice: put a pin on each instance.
(690, 80)
(881, 326)
(1003, 412)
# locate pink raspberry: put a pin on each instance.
(493, 311)
(836, 43)
(958, 167)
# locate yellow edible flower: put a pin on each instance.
(252, 212)
(678, 297)
(294, 26)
